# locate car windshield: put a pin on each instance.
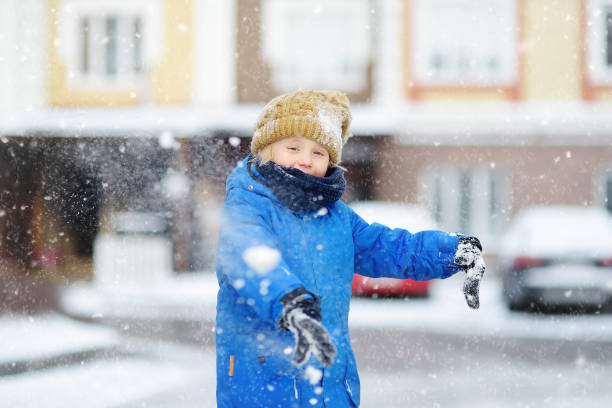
(561, 230)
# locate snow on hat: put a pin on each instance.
(322, 116)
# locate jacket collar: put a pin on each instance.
(256, 183)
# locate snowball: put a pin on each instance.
(322, 211)
(238, 283)
(166, 140)
(262, 258)
(288, 350)
(234, 141)
(313, 374)
(175, 185)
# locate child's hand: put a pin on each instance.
(469, 257)
(302, 317)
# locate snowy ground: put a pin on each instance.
(414, 352)
(144, 370)
(193, 297)
(38, 338)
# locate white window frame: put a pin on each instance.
(599, 72)
(466, 200)
(70, 41)
(467, 43)
(314, 44)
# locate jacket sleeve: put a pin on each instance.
(248, 259)
(396, 253)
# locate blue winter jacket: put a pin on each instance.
(319, 251)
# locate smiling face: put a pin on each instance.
(301, 153)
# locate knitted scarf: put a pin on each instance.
(300, 192)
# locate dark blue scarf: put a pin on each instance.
(300, 192)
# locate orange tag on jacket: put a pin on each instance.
(231, 367)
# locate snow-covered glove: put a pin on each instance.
(302, 317)
(469, 257)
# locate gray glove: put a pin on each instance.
(469, 257)
(302, 317)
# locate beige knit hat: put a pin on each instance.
(323, 116)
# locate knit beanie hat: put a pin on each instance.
(322, 116)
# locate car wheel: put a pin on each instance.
(515, 297)
(518, 304)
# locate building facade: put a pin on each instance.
(472, 109)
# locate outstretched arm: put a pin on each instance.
(397, 253)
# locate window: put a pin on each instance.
(603, 187)
(470, 201)
(599, 41)
(609, 37)
(464, 42)
(111, 46)
(307, 48)
(109, 43)
(608, 196)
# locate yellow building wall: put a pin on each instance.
(551, 47)
(170, 80)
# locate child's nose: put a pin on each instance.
(305, 159)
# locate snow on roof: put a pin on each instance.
(490, 123)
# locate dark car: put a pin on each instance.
(557, 256)
(394, 215)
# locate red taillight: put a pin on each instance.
(605, 262)
(523, 262)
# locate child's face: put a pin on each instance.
(302, 154)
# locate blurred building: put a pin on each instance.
(473, 109)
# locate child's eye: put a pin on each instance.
(319, 153)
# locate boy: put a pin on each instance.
(287, 252)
